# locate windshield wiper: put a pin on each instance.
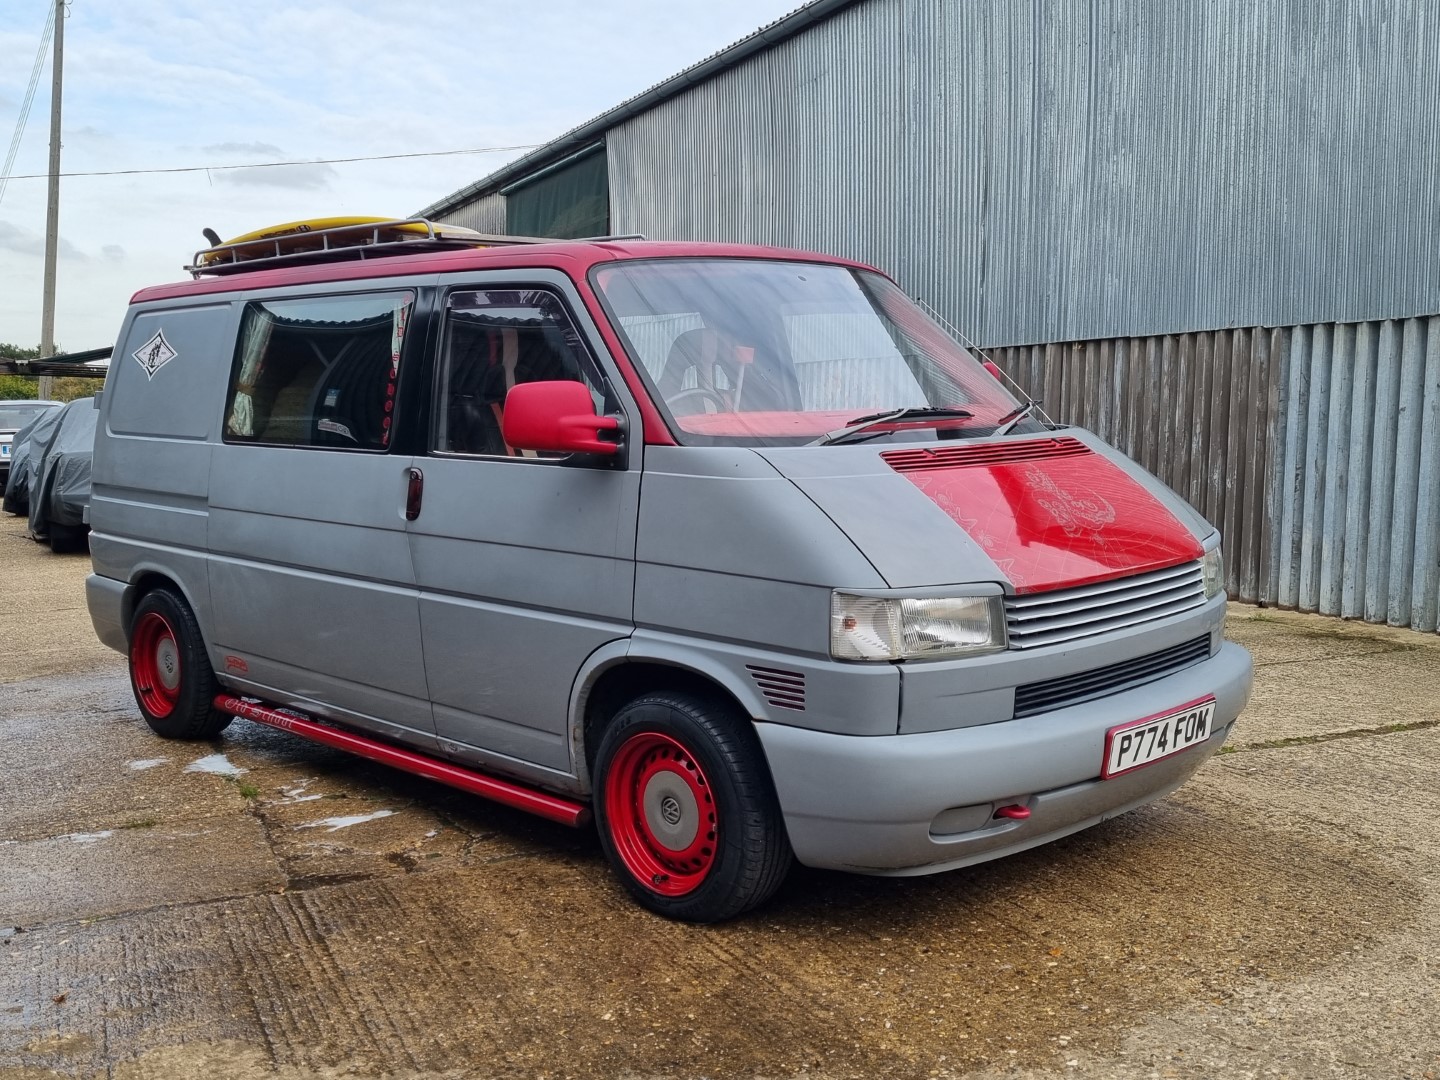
(862, 423)
(1014, 416)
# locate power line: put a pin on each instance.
(276, 164)
(29, 98)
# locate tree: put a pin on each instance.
(17, 352)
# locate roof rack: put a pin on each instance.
(367, 240)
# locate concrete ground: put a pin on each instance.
(260, 907)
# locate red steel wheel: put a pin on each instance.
(170, 671)
(686, 810)
(155, 664)
(661, 807)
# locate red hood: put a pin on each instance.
(1051, 513)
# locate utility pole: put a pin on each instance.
(52, 210)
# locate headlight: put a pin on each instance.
(1212, 569)
(890, 628)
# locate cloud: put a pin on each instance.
(346, 85)
(302, 177)
(14, 238)
(113, 252)
(249, 149)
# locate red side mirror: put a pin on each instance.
(993, 369)
(557, 417)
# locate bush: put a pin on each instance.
(63, 387)
(17, 387)
(27, 387)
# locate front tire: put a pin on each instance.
(170, 672)
(686, 810)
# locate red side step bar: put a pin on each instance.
(552, 807)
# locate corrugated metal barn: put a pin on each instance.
(1206, 231)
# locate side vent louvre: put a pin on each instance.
(982, 454)
(783, 689)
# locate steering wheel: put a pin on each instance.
(698, 391)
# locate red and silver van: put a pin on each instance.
(732, 549)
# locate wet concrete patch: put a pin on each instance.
(85, 875)
(538, 965)
(67, 747)
(388, 821)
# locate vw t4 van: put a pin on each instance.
(732, 549)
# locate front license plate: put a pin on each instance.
(1142, 742)
(4, 449)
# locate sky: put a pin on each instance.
(172, 83)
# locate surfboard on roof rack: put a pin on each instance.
(339, 238)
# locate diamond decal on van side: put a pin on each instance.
(154, 354)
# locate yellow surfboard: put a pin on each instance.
(296, 237)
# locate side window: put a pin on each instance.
(495, 339)
(318, 372)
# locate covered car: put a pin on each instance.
(22, 459)
(60, 488)
(14, 416)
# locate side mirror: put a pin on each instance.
(993, 369)
(557, 417)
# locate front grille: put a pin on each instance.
(1088, 685)
(1050, 618)
(976, 454)
(783, 689)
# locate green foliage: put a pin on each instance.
(27, 387)
(67, 388)
(62, 387)
(18, 387)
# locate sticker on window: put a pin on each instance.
(154, 354)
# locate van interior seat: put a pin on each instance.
(706, 364)
(696, 361)
(479, 382)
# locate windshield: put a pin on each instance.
(769, 353)
(14, 416)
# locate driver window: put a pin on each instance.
(496, 339)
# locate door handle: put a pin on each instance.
(413, 493)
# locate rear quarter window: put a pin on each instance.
(167, 379)
(319, 372)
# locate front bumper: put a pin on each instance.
(869, 804)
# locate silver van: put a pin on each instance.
(731, 548)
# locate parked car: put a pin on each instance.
(14, 416)
(60, 487)
(731, 548)
(23, 460)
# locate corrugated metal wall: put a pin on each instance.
(1059, 172)
(485, 215)
(1315, 449)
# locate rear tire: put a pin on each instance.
(170, 672)
(68, 538)
(686, 810)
